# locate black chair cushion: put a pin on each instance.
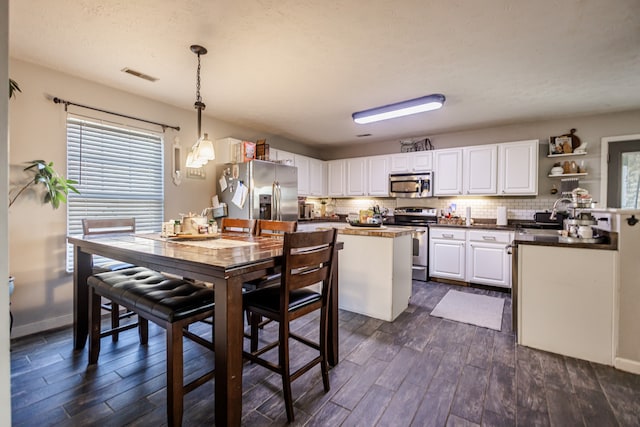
(146, 291)
(272, 279)
(110, 265)
(269, 298)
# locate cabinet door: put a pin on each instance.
(488, 264)
(303, 165)
(448, 172)
(518, 168)
(422, 161)
(335, 178)
(317, 178)
(400, 163)
(447, 259)
(356, 184)
(378, 182)
(480, 169)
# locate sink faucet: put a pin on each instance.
(554, 210)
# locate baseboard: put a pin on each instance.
(627, 365)
(44, 325)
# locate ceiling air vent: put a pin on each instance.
(139, 74)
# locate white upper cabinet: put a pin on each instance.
(415, 161)
(518, 168)
(378, 174)
(447, 172)
(356, 173)
(304, 168)
(281, 155)
(317, 178)
(480, 172)
(335, 178)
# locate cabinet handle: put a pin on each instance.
(490, 238)
(447, 236)
(509, 248)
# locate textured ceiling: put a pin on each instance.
(299, 68)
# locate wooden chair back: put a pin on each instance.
(308, 260)
(237, 224)
(275, 228)
(92, 226)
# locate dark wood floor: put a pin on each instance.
(417, 371)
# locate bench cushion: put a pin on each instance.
(149, 292)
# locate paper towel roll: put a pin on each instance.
(468, 215)
(502, 215)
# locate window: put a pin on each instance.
(119, 173)
(623, 174)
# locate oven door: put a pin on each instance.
(420, 241)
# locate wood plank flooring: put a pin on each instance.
(417, 371)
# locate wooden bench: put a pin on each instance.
(169, 302)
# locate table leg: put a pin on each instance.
(81, 272)
(228, 327)
(332, 341)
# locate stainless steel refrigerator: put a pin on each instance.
(271, 190)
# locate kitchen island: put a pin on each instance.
(374, 269)
(564, 296)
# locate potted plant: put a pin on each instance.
(57, 186)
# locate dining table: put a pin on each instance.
(226, 260)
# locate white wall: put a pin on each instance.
(43, 296)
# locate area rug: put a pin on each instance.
(479, 310)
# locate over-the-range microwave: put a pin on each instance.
(412, 185)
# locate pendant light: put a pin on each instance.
(202, 151)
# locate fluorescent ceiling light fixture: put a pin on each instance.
(399, 109)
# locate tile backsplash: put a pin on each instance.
(518, 208)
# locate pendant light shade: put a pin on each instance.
(202, 151)
(399, 109)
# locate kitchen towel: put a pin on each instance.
(474, 309)
(502, 216)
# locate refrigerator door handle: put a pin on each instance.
(278, 200)
(274, 201)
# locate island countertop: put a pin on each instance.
(375, 232)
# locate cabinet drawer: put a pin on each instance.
(448, 233)
(489, 236)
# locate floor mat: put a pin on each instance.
(479, 310)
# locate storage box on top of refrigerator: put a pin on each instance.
(271, 190)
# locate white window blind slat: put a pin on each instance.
(119, 172)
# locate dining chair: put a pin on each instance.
(272, 228)
(308, 260)
(238, 224)
(171, 303)
(97, 226)
(268, 228)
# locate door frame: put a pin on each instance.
(604, 164)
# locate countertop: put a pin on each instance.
(538, 240)
(391, 232)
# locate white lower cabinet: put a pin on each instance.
(447, 253)
(487, 260)
(475, 256)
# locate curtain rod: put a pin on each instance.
(67, 103)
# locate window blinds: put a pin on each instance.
(119, 173)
